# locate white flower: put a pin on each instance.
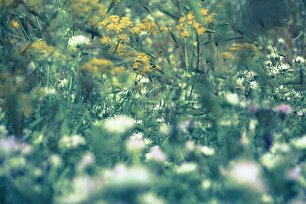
(119, 124)
(299, 60)
(186, 167)
(208, 151)
(122, 176)
(55, 160)
(253, 84)
(232, 98)
(206, 184)
(156, 154)
(247, 173)
(190, 145)
(136, 143)
(63, 82)
(300, 143)
(270, 161)
(78, 40)
(150, 198)
(87, 160)
(83, 188)
(268, 63)
(165, 129)
(280, 147)
(72, 141)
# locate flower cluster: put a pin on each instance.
(189, 23)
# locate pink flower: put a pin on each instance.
(283, 108)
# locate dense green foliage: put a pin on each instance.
(152, 102)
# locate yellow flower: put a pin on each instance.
(164, 28)
(181, 20)
(124, 37)
(142, 61)
(204, 11)
(98, 66)
(200, 30)
(210, 18)
(189, 16)
(117, 70)
(180, 27)
(126, 22)
(114, 18)
(227, 55)
(15, 24)
(185, 34)
(105, 40)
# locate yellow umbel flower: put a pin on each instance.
(227, 55)
(98, 66)
(185, 34)
(204, 11)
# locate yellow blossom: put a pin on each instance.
(98, 66)
(180, 27)
(227, 55)
(210, 18)
(204, 11)
(142, 62)
(181, 20)
(15, 24)
(117, 70)
(114, 18)
(124, 37)
(105, 40)
(185, 34)
(189, 16)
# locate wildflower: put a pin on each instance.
(283, 108)
(299, 60)
(41, 92)
(55, 160)
(63, 82)
(227, 55)
(247, 173)
(105, 40)
(300, 143)
(41, 46)
(98, 66)
(76, 41)
(156, 154)
(210, 18)
(208, 151)
(142, 60)
(182, 20)
(186, 167)
(137, 143)
(119, 124)
(180, 27)
(123, 176)
(190, 145)
(9, 145)
(73, 141)
(204, 11)
(185, 34)
(87, 160)
(82, 188)
(124, 37)
(15, 24)
(294, 173)
(117, 70)
(232, 98)
(150, 198)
